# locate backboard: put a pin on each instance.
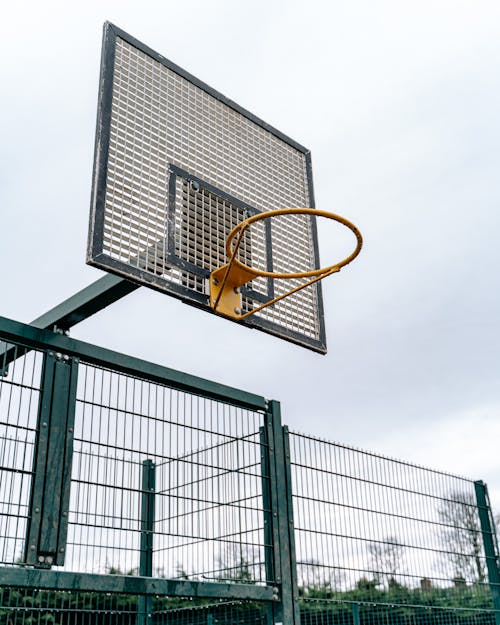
(177, 166)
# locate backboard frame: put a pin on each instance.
(95, 254)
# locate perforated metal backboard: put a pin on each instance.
(177, 166)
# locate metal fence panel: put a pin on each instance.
(324, 612)
(189, 503)
(21, 606)
(19, 399)
(370, 529)
(168, 483)
(208, 498)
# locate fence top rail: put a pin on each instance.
(35, 338)
(371, 454)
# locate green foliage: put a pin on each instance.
(320, 601)
(115, 570)
(475, 597)
(461, 535)
(47, 607)
(366, 585)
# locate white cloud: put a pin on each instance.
(464, 443)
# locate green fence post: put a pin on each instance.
(490, 544)
(285, 609)
(355, 614)
(291, 527)
(267, 505)
(50, 488)
(145, 604)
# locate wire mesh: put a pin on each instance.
(19, 606)
(207, 518)
(209, 613)
(324, 612)
(208, 521)
(171, 484)
(19, 397)
(370, 528)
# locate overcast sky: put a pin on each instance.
(399, 104)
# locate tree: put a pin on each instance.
(496, 518)
(238, 563)
(386, 558)
(180, 572)
(318, 580)
(461, 536)
(366, 585)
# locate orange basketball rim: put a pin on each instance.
(227, 280)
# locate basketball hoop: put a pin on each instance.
(226, 281)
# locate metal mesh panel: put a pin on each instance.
(19, 396)
(376, 529)
(206, 219)
(324, 612)
(201, 229)
(19, 606)
(208, 496)
(208, 540)
(159, 118)
(168, 484)
(197, 613)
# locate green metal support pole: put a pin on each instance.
(490, 544)
(286, 608)
(145, 603)
(87, 302)
(80, 306)
(15, 333)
